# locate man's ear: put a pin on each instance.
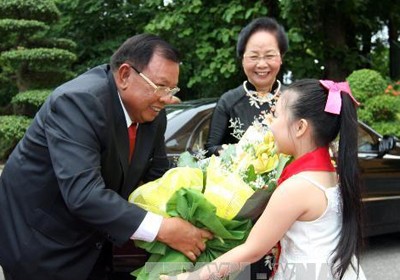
(301, 127)
(122, 76)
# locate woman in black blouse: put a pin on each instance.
(260, 47)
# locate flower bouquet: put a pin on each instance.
(224, 194)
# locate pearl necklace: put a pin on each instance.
(257, 101)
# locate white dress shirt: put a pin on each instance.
(148, 229)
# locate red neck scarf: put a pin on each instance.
(317, 160)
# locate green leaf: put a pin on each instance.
(250, 174)
(187, 159)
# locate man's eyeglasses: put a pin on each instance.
(160, 91)
(255, 58)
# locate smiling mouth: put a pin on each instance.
(262, 74)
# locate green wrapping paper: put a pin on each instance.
(192, 206)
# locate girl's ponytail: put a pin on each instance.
(348, 170)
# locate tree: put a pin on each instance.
(328, 39)
(325, 35)
(99, 27)
(28, 56)
(30, 59)
(206, 34)
(390, 15)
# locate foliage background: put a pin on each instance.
(327, 40)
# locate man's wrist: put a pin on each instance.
(149, 229)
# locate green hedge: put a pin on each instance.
(28, 102)
(366, 83)
(46, 10)
(7, 91)
(379, 108)
(41, 59)
(40, 67)
(21, 26)
(12, 129)
(387, 128)
(60, 43)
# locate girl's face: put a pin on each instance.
(282, 128)
(262, 60)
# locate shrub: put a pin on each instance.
(12, 129)
(39, 67)
(366, 83)
(39, 58)
(22, 25)
(46, 10)
(380, 108)
(7, 90)
(28, 102)
(387, 128)
(393, 88)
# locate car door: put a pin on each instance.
(380, 177)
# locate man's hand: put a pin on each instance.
(183, 236)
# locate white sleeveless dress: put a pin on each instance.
(308, 245)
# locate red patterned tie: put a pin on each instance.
(132, 137)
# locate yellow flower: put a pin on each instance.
(242, 162)
(265, 163)
(267, 145)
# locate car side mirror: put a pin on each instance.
(387, 143)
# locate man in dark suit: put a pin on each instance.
(63, 189)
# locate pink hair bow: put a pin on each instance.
(334, 102)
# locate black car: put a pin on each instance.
(379, 160)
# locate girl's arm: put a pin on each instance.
(284, 208)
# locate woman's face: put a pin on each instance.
(262, 60)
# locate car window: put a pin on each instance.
(187, 130)
(201, 134)
(366, 143)
(177, 144)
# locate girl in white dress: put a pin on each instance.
(314, 213)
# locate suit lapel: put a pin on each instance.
(120, 128)
(141, 157)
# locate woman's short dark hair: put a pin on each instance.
(139, 49)
(265, 24)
